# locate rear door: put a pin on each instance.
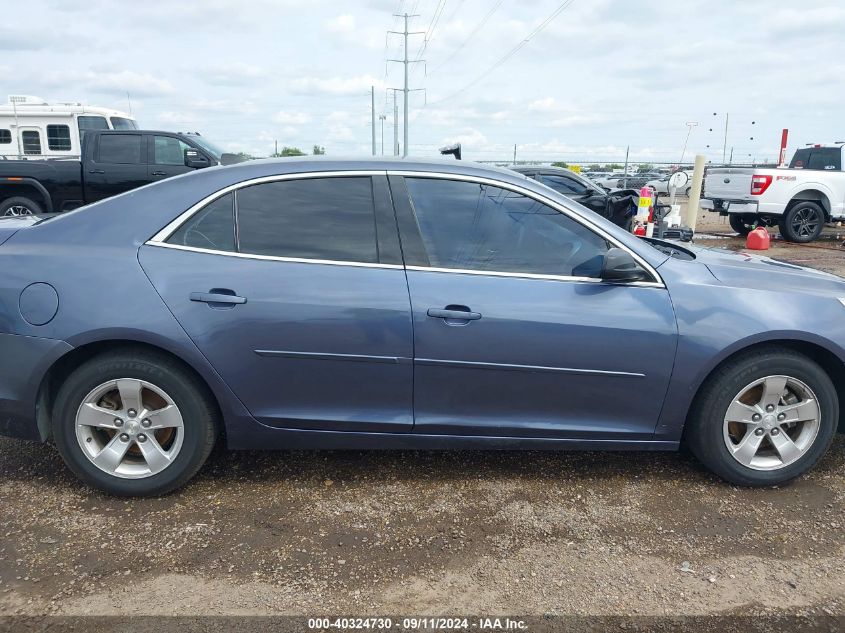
(119, 163)
(294, 290)
(166, 157)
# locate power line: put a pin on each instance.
(471, 35)
(511, 52)
(432, 25)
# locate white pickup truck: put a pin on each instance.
(798, 199)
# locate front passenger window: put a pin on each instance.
(475, 226)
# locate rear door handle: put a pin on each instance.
(454, 313)
(159, 173)
(218, 297)
(96, 171)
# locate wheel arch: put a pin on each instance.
(27, 188)
(812, 195)
(65, 365)
(832, 364)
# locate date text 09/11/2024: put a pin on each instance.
(419, 623)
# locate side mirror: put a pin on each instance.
(619, 265)
(195, 160)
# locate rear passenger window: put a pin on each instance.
(315, 218)
(120, 148)
(31, 142)
(212, 227)
(5, 137)
(58, 138)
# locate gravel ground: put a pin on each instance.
(311, 533)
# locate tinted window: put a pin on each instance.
(562, 184)
(211, 227)
(58, 138)
(829, 158)
(121, 123)
(120, 148)
(169, 151)
(5, 136)
(317, 218)
(479, 227)
(31, 142)
(86, 123)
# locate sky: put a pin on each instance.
(600, 77)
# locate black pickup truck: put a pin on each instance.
(112, 162)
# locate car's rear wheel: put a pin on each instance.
(764, 418)
(742, 224)
(133, 424)
(17, 206)
(802, 222)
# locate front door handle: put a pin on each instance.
(159, 173)
(454, 313)
(96, 171)
(218, 298)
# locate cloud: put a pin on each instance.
(112, 82)
(230, 74)
(341, 24)
(336, 85)
(291, 118)
(547, 104)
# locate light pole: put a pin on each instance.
(382, 117)
(690, 125)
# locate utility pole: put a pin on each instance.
(514, 153)
(276, 145)
(625, 177)
(725, 144)
(373, 115)
(406, 61)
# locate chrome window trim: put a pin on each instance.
(658, 283)
(170, 228)
(159, 239)
(273, 258)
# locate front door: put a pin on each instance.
(167, 157)
(514, 333)
(119, 164)
(301, 304)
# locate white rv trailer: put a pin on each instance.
(32, 128)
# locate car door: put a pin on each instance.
(167, 157)
(514, 332)
(119, 164)
(294, 291)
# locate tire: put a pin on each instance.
(740, 223)
(687, 191)
(11, 207)
(158, 379)
(709, 432)
(803, 222)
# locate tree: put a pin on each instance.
(615, 166)
(560, 164)
(644, 168)
(594, 167)
(290, 151)
(318, 150)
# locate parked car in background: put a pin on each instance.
(370, 304)
(113, 162)
(660, 185)
(29, 126)
(798, 200)
(618, 206)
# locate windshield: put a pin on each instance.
(207, 145)
(121, 123)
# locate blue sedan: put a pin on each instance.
(381, 304)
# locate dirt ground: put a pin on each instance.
(370, 533)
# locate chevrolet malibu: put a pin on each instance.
(376, 304)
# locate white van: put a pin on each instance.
(31, 127)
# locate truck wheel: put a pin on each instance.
(803, 222)
(742, 224)
(19, 206)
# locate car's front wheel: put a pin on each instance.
(764, 418)
(133, 424)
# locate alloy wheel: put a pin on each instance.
(805, 222)
(772, 423)
(17, 210)
(129, 428)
